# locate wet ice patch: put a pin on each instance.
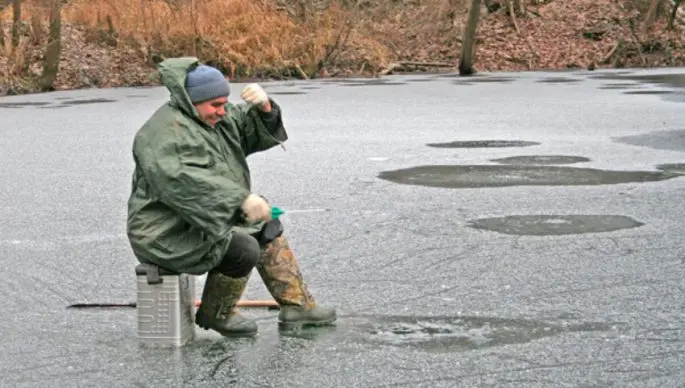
(364, 82)
(445, 334)
(477, 176)
(484, 144)
(22, 104)
(88, 101)
(557, 80)
(663, 140)
(619, 86)
(286, 93)
(551, 225)
(648, 92)
(674, 97)
(54, 107)
(678, 168)
(541, 159)
(425, 79)
(475, 78)
(671, 79)
(373, 83)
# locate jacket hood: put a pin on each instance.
(173, 73)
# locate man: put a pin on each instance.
(191, 208)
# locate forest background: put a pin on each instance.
(50, 45)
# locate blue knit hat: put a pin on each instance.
(205, 83)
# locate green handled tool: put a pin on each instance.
(276, 212)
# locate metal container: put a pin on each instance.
(165, 306)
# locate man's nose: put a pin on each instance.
(221, 111)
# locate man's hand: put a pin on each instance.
(254, 94)
(255, 208)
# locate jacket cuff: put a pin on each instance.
(272, 119)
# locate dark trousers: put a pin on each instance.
(244, 253)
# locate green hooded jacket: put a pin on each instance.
(190, 179)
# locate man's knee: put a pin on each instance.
(242, 256)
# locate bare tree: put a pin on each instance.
(651, 14)
(468, 46)
(516, 5)
(16, 22)
(54, 47)
(674, 12)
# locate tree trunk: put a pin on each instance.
(469, 40)
(302, 10)
(674, 12)
(54, 47)
(517, 7)
(651, 14)
(16, 16)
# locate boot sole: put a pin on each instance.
(205, 326)
(231, 333)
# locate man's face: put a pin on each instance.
(212, 111)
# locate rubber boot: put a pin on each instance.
(217, 309)
(282, 277)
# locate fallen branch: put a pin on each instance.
(631, 22)
(404, 64)
(675, 14)
(532, 50)
(427, 64)
(611, 52)
(534, 12)
(301, 72)
(513, 16)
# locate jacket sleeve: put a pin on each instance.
(184, 177)
(259, 131)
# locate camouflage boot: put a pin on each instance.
(219, 297)
(282, 277)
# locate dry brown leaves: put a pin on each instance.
(557, 35)
(577, 33)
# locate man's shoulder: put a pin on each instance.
(166, 128)
(165, 121)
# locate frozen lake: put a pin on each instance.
(504, 230)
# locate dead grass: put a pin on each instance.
(238, 35)
(233, 28)
(117, 42)
(17, 63)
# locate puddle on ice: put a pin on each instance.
(557, 80)
(550, 225)
(678, 168)
(670, 79)
(22, 104)
(478, 176)
(673, 140)
(541, 159)
(88, 101)
(484, 144)
(445, 334)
